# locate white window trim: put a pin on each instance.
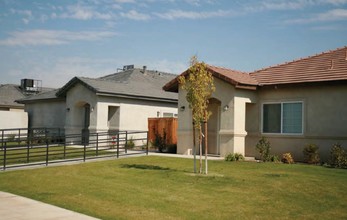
(282, 102)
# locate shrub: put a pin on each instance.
(273, 158)
(234, 157)
(130, 143)
(287, 158)
(311, 154)
(338, 156)
(160, 142)
(263, 146)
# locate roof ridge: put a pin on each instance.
(299, 59)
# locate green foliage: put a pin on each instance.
(338, 156)
(273, 158)
(130, 143)
(234, 157)
(287, 158)
(199, 86)
(311, 154)
(160, 142)
(264, 147)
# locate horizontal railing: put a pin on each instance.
(30, 150)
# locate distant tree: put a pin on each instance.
(199, 86)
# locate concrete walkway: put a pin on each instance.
(13, 207)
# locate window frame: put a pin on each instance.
(281, 126)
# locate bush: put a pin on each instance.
(130, 143)
(160, 142)
(287, 158)
(263, 146)
(311, 154)
(338, 156)
(234, 157)
(273, 158)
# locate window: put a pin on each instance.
(283, 118)
(169, 115)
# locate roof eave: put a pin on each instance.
(147, 98)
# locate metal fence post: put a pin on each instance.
(2, 139)
(97, 144)
(5, 151)
(47, 152)
(118, 145)
(147, 145)
(126, 142)
(28, 147)
(84, 149)
(19, 136)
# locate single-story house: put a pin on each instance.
(12, 114)
(120, 101)
(292, 104)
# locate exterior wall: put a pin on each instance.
(232, 128)
(324, 121)
(50, 114)
(13, 119)
(133, 113)
(76, 98)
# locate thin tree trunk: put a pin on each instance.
(206, 147)
(200, 146)
(194, 148)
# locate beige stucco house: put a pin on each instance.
(293, 104)
(120, 101)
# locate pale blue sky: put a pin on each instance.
(56, 40)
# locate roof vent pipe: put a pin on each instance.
(144, 69)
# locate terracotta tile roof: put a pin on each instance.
(234, 77)
(327, 66)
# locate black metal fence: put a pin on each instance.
(44, 146)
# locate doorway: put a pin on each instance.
(213, 127)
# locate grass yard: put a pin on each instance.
(153, 187)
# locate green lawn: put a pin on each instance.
(150, 187)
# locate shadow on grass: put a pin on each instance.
(143, 167)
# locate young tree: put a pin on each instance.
(199, 86)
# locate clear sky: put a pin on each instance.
(54, 41)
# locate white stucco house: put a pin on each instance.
(292, 104)
(120, 101)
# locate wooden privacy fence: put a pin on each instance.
(161, 125)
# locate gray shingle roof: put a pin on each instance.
(8, 94)
(132, 83)
(46, 95)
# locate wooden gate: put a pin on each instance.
(161, 125)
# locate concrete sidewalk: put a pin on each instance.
(13, 207)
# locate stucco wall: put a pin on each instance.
(231, 131)
(13, 119)
(325, 121)
(46, 114)
(133, 113)
(76, 98)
